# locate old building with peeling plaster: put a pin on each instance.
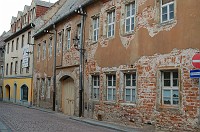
(137, 62)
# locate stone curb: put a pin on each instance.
(104, 124)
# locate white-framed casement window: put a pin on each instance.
(111, 87)
(60, 41)
(21, 68)
(16, 66)
(130, 87)
(12, 48)
(50, 47)
(17, 43)
(130, 17)
(49, 88)
(44, 49)
(167, 10)
(8, 48)
(68, 44)
(79, 34)
(95, 29)
(38, 52)
(95, 87)
(170, 87)
(111, 23)
(43, 87)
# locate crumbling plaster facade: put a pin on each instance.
(151, 48)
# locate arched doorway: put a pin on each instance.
(15, 92)
(24, 93)
(68, 96)
(7, 92)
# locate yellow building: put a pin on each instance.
(18, 90)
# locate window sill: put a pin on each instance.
(128, 33)
(128, 104)
(110, 102)
(172, 109)
(169, 22)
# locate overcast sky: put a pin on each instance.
(9, 8)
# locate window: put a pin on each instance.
(1, 70)
(95, 29)
(22, 44)
(44, 49)
(12, 46)
(170, 88)
(49, 88)
(29, 37)
(111, 87)
(17, 43)
(130, 87)
(79, 34)
(111, 24)
(68, 45)
(130, 17)
(43, 87)
(11, 68)
(95, 85)
(1, 53)
(27, 68)
(167, 10)
(16, 66)
(38, 52)
(60, 41)
(24, 93)
(8, 47)
(7, 69)
(21, 68)
(50, 47)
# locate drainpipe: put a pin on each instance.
(54, 69)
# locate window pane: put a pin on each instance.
(175, 93)
(109, 83)
(175, 74)
(175, 101)
(128, 92)
(128, 10)
(128, 98)
(167, 100)
(164, 10)
(166, 82)
(171, 8)
(166, 75)
(114, 93)
(166, 93)
(109, 94)
(175, 82)
(171, 15)
(133, 95)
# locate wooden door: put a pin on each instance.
(68, 96)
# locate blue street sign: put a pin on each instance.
(194, 73)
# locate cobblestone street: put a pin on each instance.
(22, 119)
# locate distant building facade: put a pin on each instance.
(19, 54)
(137, 62)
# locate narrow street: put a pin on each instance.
(22, 119)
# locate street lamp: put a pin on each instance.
(54, 66)
(81, 50)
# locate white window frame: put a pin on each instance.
(38, 52)
(112, 88)
(111, 23)
(168, 11)
(95, 88)
(43, 87)
(50, 47)
(95, 29)
(60, 41)
(170, 88)
(79, 34)
(68, 44)
(49, 88)
(44, 50)
(132, 87)
(130, 18)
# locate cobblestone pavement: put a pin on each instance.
(22, 119)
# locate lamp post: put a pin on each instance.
(81, 50)
(54, 66)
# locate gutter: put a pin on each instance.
(62, 18)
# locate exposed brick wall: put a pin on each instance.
(40, 10)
